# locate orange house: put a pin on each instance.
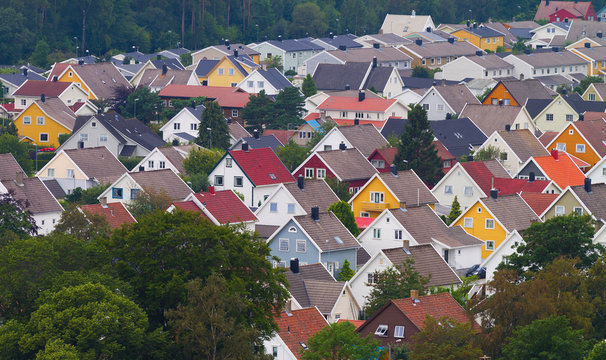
(516, 92)
(500, 93)
(582, 139)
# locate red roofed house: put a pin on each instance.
(552, 11)
(401, 319)
(383, 158)
(220, 207)
(562, 168)
(32, 90)
(448, 159)
(116, 214)
(294, 329)
(538, 202)
(253, 173)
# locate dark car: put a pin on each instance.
(476, 270)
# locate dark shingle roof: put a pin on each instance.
(521, 90)
(314, 193)
(9, 167)
(196, 111)
(483, 31)
(264, 141)
(594, 201)
(337, 76)
(535, 106)
(420, 83)
(275, 78)
(427, 262)
(365, 137)
(408, 188)
(346, 40)
(19, 79)
(205, 66)
(295, 45)
(458, 135)
(130, 128)
(378, 78)
(491, 118)
(53, 186)
(523, 143)
(172, 64)
(348, 164)
(314, 286)
(36, 197)
(328, 233)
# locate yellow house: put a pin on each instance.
(44, 120)
(596, 56)
(69, 75)
(595, 92)
(98, 80)
(492, 219)
(391, 190)
(229, 71)
(483, 37)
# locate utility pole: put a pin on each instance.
(83, 28)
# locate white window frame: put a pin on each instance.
(398, 331)
(40, 120)
(376, 233)
(468, 191)
(447, 189)
(490, 245)
(320, 173)
(377, 195)
(43, 141)
(580, 148)
(487, 222)
(273, 207)
(468, 222)
(290, 208)
(282, 241)
(382, 330)
(560, 210)
(27, 120)
(300, 242)
(309, 173)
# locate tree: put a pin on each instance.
(148, 201)
(197, 182)
(57, 350)
(88, 196)
(259, 109)
(455, 210)
(201, 161)
(86, 227)
(346, 272)
(15, 220)
(550, 338)
(343, 212)
(489, 152)
(274, 62)
(339, 341)
(570, 236)
(519, 47)
(598, 352)
(40, 55)
(308, 18)
(584, 84)
(186, 59)
(11, 144)
(445, 338)
(288, 109)
(394, 282)
(142, 104)
(210, 325)
(416, 149)
(421, 72)
(564, 89)
(292, 154)
(341, 189)
(213, 119)
(309, 86)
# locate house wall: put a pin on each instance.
(282, 351)
(480, 214)
(337, 257)
(597, 174)
(261, 193)
(590, 94)
(394, 85)
(60, 164)
(33, 131)
(71, 76)
(362, 202)
(345, 307)
(386, 239)
(523, 121)
(225, 79)
(303, 135)
(460, 258)
(507, 248)
(543, 33)
(187, 124)
(490, 43)
(462, 68)
(93, 138)
(500, 93)
(331, 141)
(127, 185)
(458, 179)
(391, 317)
(228, 174)
(70, 96)
(408, 97)
(254, 83)
(46, 222)
(571, 141)
(438, 108)
(314, 163)
(310, 256)
(568, 201)
(155, 160)
(378, 157)
(558, 109)
(267, 50)
(512, 164)
(281, 197)
(359, 284)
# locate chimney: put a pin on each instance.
(236, 52)
(315, 213)
(158, 57)
(564, 91)
(294, 265)
(25, 71)
(587, 185)
(43, 98)
(414, 295)
(555, 49)
(554, 154)
(55, 78)
(193, 104)
(226, 42)
(256, 134)
(494, 193)
(356, 121)
(500, 102)
(342, 146)
(376, 45)
(406, 244)
(508, 128)
(419, 42)
(531, 176)
(331, 35)
(374, 62)
(80, 62)
(342, 47)
(475, 25)
(394, 169)
(599, 34)
(19, 178)
(99, 110)
(279, 37)
(164, 69)
(361, 95)
(469, 157)
(527, 51)
(468, 23)
(80, 144)
(581, 117)
(141, 168)
(347, 87)
(211, 190)
(428, 29)
(245, 146)
(451, 40)
(479, 53)
(103, 202)
(301, 182)
(588, 45)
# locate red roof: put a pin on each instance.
(592, 115)
(115, 214)
(348, 122)
(443, 153)
(225, 206)
(282, 135)
(577, 8)
(436, 306)
(352, 104)
(312, 116)
(364, 222)
(480, 173)
(262, 166)
(39, 87)
(388, 154)
(77, 106)
(538, 202)
(10, 107)
(229, 97)
(57, 70)
(515, 186)
(356, 323)
(298, 326)
(564, 171)
(190, 206)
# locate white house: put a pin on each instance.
(597, 173)
(405, 24)
(548, 31)
(167, 157)
(529, 66)
(271, 81)
(501, 253)
(183, 127)
(441, 100)
(488, 66)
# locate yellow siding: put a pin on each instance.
(76, 80)
(490, 43)
(479, 230)
(60, 164)
(361, 203)
(215, 78)
(596, 66)
(33, 131)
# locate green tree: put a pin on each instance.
(15, 220)
(186, 59)
(40, 55)
(197, 182)
(519, 47)
(88, 196)
(292, 154)
(148, 201)
(342, 210)
(201, 161)
(339, 341)
(550, 338)
(308, 18)
(213, 119)
(584, 84)
(57, 350)
(86, 227)
(142, 104)
(130, 162)
(455, 210)
(309, 86)
(259, 109)
(489, 152)
(421, 72)
(341, 189)
(598, 352)
(274, 62)
(564, 89)
(288, 109)
(445, 338)
(346, 271)
(394, 282)
(11, 144)
(416, 149)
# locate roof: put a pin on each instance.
(491, 118)
(205, 66)
(384, 54)
(522, 24)
(457, 96)
(265, 231)
(290, 45)
(364, 222)
(490, 61)
(402, 24)
(242, 49)
(535, 106)
(115, 214)
(262, 166)
(156, 77)
(337, 76)
(457, 135)
(388, 154)
(352, 104)
(275, 78)
(564, 171)
(98, 163)
(594, 201)
(58, 111)
(482, 31)
(101, 78)
(53, 186)
(346, 40)
(524, 143)
(539, 202)
(364, 137)
(263, 141)
(508, 186)
(594, 133)
(162, 181)
(497, 26)
(443, 153)
(174, 156)
(551, 59)
(580, 29)
(420, 83)
(297, 326)
(283, 136)
(521, 90)
(425, 226)
(484, 172)
(442, 49)
(601, 89)
(522, 33)
(315, 192)
(389, 38)
(427, 262)
(196, 111)
(9, 167)
(511, 211)
(328, 233)
(34, 194)
(378, 78)
(546, 8)
(39, 87)
(225, 206)
(314, 286)
(581, 106)
(225, 96)
(435, 305)
(173, 64)
(408, 188)
(547, 137)
(237, 130)
(18, 79)
(348, 164)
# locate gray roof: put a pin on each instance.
(512, 211)
(314, 193)
(163, 181)
(36, 197)
(408, 188)
(337, 76)
(595, 53)
(58, 111)
(365, 137)
(550, 59)
(483, 31)
(53, 186)
(101, 78)
(580, 29)
(342, 40)
(9, 167)
(389, 38)
(237, 131)
(133, 129)
(490, 61)
(521, 33)
(290, 45)
(384, 54)
(172, 64)
(378, 78)
(242, 49)
(554, 80)
(18, 79)
(522, 90)
(156, 78)
(458, 135)
(265, 231)
(186, 136)
(98, 163)
(523, 143)
(491, 118)
(314, 286)
(275, 78)
(497, 26)
(174, 156)
(264, 141)
(348, 164)
(535, 106)
(205, 66)
(427, 262)
(457, 96)
(196, 111)
(594, 200)
(328, 233)
(442, 49)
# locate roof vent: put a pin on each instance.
(376, 45)
(315, 213)
(419, 42)
(451, 40)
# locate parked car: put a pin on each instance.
(480, 272)
(48, 149)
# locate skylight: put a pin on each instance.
(338, 240)
(272, 176)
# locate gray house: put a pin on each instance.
(293, 52)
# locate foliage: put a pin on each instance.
(11, 144)
(274, 62)
(339, 341)
(148, 201)
(259, 109)
(445, 338)
(519, 47)
(290, 73)
(346, 272)
(142, 104)
(7, 126)
(213, 119)
(318, 135)
(455, 210)
(288, 109)
(15, 220)
(550, 338)
(417, 150)
(211, 324)
(341, 189)
(421, 72)
(309, 86)
(343, 212)
(197, 182)
(57, 350)
(292, 154)
(88, 196)
(460, 293)
(394, 282)
(483, 96)
(40, 55)
(201, 161)
(584, 84)
(598, 352)
(86, 227)
(186, 59)
(489, 152)
(501, 49)
(564, 89)
(129, 162)
(117, 101)
(63, 138)
(178, 105)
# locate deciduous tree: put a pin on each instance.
(342, 210)
(142, 104)
(292, 154)
(339, 341)
(148, 201)
(445, 338)
(201, 161)
(11, 144)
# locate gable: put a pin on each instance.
(65, 77)
(531, 166)
(567, 200)
(60, 163)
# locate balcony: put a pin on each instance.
(372, 206)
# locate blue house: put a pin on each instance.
(316, 238)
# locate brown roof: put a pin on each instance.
(314, 286)
(538, 202)
(9, 167)
(53, 186)
(490, 61)
(265, 231)
(427, 263)
(523, 143)
(496, 168)
(115, 214)
(314, 193)
(511, 211)
(594, 132)
(163, 181)
(155, 78)
(408, 188)
(425, 226)
(580, 29)
(328, 233)
(547, 137)
(490, 118)
(175, 157)
(348, 164)
(367, 54)
(546, 8)
(594, 201)
(237, 131)
(39, 87)
(364, 137)
(497, 26)
(457, 96)
(34, 194)
(442, 49)
(283, 136)
(101, 78)
(522, 90)
(98, 163)
(58, 111)
(436, 306)
(522, 24)
(550, 59)
(297, 326)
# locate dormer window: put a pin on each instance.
(382, 330)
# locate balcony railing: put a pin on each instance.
(372, 206)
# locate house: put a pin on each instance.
(219, 207)
(217, 52)
(152, 64)
(481, 36)
(271, 81)
(32, 90)
(283, 136)
(434, 55)
(158, 79)
(122, 137)
(382, 158)
(294, 199)
(385, 40)
(533, 65)
(346, 165)
(491, 118)
(52, 119)
(366, 138)
(183, 127)
(12, 81)
(427, 262)
(515, 147)
(9, 167)
(577, 9)
(480, 66)
(254, 173)
(404, 24)
(313, 286)
(333, 42)
(538, 202)
(98, 80)
(82, 168)
(560, 167)
(441, 100)
(293, 52)
(385, 81)
(386, 57)
(401, 319)
(501, 254)
(391, 190)
(544, 34)
(428, 36)
(597, 174)
(166, 157)
(174, 53)
(561, 111)
(448, 159)
(294, 329)
(133, 56)
(316, 238)
(516, 92)
(581, 29)
(258, 142)
(595, 92)
(116, 214)
(596, 56)
(129, 186)
(228, 71)
(582, 139)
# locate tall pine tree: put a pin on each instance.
(213, 119)
(416, 150)
(309, 86)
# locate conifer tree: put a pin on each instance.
(455, 210)
(346, 271)
(309, 86)
(213, 119)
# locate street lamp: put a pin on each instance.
(135, 112)
(77, 47)
(257, 27)
(210, 132)
(338, 27)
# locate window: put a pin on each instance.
(234, 113)
(549, 117)
(103, 138)
(218, 180)
(503, 156)
(376, 233)
(228, 162)
(364, 214)
(251, 84)
(494, 101)
(40, 120)
(230, 71)
(327, 147)
(177, 126)
(301, 246)
(398, 332)
(309, 173)
(274, 351)
(447, 189)
(50, 172)
(283, 244)
(320, 173)
(489, 245)
(69, 173)
(560, 210)
(570, 132)
(162, 165)
(43, 137)
(261, 84)
(134, 193)
(398, 234)
(468, 222)
(221, 71)
(479, 210)
(379, 164)
(233, 84)
(382, 330)
(489, 224)
(591, 97)
(27, 120)
(578, 210)
(84, 137)
(23, 101)
(561, 146)
(440, 107)
(150, 164)
(117, 193)
(273, 207)
(292, 229)
(371, 278)
(580, 148)
(446, 164)
(377, 197)
(291, 208)
(238, 181)
(426, 107)
(468, 191)
(193, 126)
(71, 74)
(507, 101)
